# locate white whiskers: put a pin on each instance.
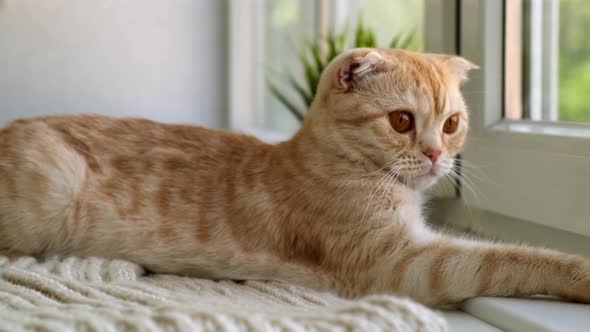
(385, 183)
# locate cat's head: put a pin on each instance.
(399, 111)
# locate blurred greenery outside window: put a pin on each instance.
(574, 60)
(547, 60)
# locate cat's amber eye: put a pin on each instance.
(401, 121)
(451, 124)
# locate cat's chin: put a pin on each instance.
(423, 182)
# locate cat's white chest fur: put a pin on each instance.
(406, 210)
(407, 205)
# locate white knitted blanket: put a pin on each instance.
(94, 294)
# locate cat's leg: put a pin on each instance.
(446, 270)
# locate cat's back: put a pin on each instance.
(108, 134)
(106, 142)
(87, 170)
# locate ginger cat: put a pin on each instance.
(337, 207)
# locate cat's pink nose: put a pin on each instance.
(432, 154)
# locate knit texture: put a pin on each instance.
(95, 294)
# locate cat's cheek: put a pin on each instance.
(455, 143)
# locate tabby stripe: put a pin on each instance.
(437, 270)
(402, 264)
(362, 119)
(488, 266)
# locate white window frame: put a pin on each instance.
(534, 171)
(542, 65)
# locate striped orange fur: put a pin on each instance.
(337, 207)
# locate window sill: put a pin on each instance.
(461, 322)
(533, 314)
(562, 129)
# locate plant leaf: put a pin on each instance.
(408, 40)
(359, 34)
(341, 37)
(371, 39)
(303, 93)
(394, 43)
(285, 101)
(312, 76)
(317, 57)
(333, 49)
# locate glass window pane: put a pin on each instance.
(574, 60)
(388, 18)
(547, 60)
(288, 23)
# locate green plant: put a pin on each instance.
(317, 55)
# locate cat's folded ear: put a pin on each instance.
(459, 66)
(357, 65)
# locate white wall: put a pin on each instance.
(162, 59)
